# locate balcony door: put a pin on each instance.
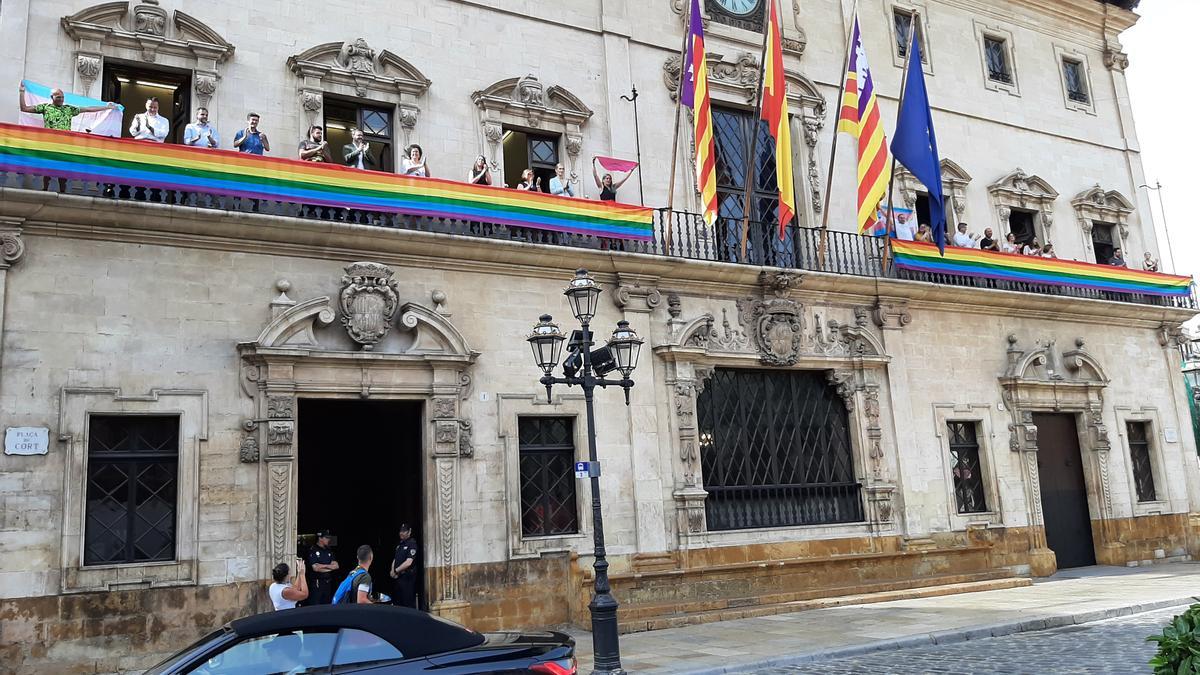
(130, 85)
(528, 150)
(375, 121)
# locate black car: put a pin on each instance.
(376, 639)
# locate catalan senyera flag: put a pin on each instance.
(860, 118)
(775, 114)
(694, 94)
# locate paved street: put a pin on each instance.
(938, 630)
(1116, 646)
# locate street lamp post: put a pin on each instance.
(586, 368)
(637, 138)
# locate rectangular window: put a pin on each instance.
(1076, 82)
(903, 20)
(341, 116)
(132, 478)
(132, 85)
(996, 52)
(547, 458)
(968, 474)
(1020, 223)
(1102, 242)
(1139, 453)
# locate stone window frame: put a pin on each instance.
(1156, 440)
(143, 34)
(1097, 205)
(955, 181)
(1019, 190)
(76, 406)
(509, 408)
(980, 415)
(996, 32)
(919, 8)
(1062, 54)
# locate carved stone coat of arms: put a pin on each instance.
(368, 302)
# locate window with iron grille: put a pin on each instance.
(775, 450)
(1139, 453)
(132, 476)
(547, 458)
(1076, 83)
(996, 53)
(903, 20)
(968, 474)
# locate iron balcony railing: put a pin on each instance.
(676, 233)
(741, 507)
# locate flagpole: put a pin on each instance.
(687, 31)
(833, 148)
(750, 162)
(887, 250)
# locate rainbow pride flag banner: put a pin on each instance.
(922, 257)
(46, 152)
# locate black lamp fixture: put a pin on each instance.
(586, 367)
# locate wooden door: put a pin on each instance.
(1064, 492)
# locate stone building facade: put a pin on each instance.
(946, 403)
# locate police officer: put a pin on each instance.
(322, 566)
(403, 569)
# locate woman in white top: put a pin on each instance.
(286, 592)
(414, 163)
(1010, 244)
(1033, 248)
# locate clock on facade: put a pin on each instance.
(746, 14)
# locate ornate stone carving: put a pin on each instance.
(1104, 206)
(357, 57)
(1021, 190)
(1115, 59)
(874, 430)
(444, 407)
(1023, 434)
(311, 100)
(674, 306)
(843, 382)
(445, 501)
(368, 302)
(685, 408)
(529, 91)
(729, 339)
(88, 67)
(445, 431)
(205, 86)
(574, 144)
(280, 407)
(280, 433)
(1031, 468)
(465, 445)
(12, 248)
(493, 132)
(648, 297)
(891, 315)
(280, 507)
(249, 449)
(1097, 431)
(955, 180)
(149, 18)
(778, 329)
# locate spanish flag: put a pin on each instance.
(860, 119)
(775, 114)
(694, 94)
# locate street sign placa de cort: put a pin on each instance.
(26, 441)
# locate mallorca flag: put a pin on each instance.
(775, 114)
(694, 95)
(860, 118)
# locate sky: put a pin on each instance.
(1164, 61)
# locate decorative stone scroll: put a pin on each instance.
(1019, 190)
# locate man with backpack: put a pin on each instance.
(356, 588)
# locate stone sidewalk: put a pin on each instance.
(1070, 597)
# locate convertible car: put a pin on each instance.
(375, 639)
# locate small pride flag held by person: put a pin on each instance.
(102, 123)
(694, 94)
(860, 118)
(775, 114)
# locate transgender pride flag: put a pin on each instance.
(103, 123)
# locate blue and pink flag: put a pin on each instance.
(103, 123)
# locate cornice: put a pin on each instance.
(50, 214)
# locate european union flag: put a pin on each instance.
(914, 144)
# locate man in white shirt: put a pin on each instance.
(906, 226)
(559, 185)
(962, 239)
(201, 134)
(150, 126)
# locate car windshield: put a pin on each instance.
(162, 666)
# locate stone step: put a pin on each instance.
(638, 618)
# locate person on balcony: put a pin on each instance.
(315, 148)
(1048, 251)
(1010, 244)
(924, 234)
(1149, 263)
(57, 114)
(150, 126)
(251, 140)
(988, 243)
(1033, 248)
(357, 153)
(414, 163)
(480, 174)
(529, 181)
(608, 189)
(201, 134)
(962, 239)
(559, 185)
(1117, 259)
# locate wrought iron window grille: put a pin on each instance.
(547, 461)
(966, 469)
(1139, 454)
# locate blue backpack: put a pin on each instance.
(343, 589)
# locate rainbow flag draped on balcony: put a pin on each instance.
(46, 152)
(860, 118)
(922, 257)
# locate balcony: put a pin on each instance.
(676, 234)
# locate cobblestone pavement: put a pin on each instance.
(1116, 646)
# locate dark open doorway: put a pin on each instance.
(529, 151)
(360, 474)
(1064, 492)
(130, 85)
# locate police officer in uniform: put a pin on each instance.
(404, 570)
(322, 566)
